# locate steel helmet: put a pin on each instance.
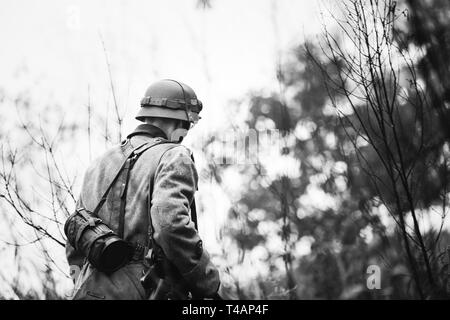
(170, 99)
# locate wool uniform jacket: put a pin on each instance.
(171, 191)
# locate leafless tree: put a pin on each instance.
(36, 187)
(393, 131)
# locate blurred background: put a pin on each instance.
(322, 150)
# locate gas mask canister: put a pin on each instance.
(102, 247)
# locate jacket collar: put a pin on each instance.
(148, 129)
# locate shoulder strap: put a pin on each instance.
(129, 163)
(105, 194)
(134, 154)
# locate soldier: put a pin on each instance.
(149, 205)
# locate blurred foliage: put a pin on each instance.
(428, 27)
(351, 229)
(204, 4)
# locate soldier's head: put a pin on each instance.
(172, 106)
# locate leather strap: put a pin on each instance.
(130, 159)
(105, 195)
(123, 196)
(129, 163)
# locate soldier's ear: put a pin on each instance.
(178, 135)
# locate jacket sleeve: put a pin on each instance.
(174, 186)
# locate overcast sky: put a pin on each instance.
(222, 52)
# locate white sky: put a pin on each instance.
(222, 53)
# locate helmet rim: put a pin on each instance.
(160, 112)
